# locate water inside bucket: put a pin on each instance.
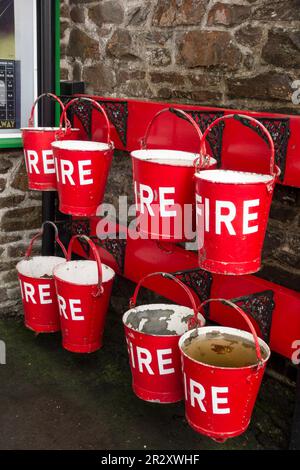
(222, 350)
(233, 177)
(159, 319)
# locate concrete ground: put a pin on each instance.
(53, 399)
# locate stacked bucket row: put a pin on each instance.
(172, 354)
(229, 208)
(221, 367)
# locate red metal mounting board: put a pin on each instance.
(242, 148)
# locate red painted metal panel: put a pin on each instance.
(241, 147)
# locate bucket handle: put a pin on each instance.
(40, 233)
(196, 308)
(245, 317)
(96, 255)
(97, 106)
(182, 115)
(274, 170)
(53, 97)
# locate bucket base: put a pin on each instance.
(232, 269)
(216, 436)
(81, 211)
(156, 397)
(42, 328)
(82, 348)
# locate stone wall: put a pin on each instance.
(20, 215)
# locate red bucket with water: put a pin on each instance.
(164, 187)
(38, 288)
(83, 291)
(82, 169)
(152, 333)
(38, 152)
(219, 399)
(232, 213)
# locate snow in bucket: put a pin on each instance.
(222, 347)
(39, 266)
(160, 319)
(233, 177)
(168, 157)
(80, 145)
(83, 272)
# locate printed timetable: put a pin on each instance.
(9, 94)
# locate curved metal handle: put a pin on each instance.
(96, 255)
(239, 117)
(53, 97)
(245, 317)
(40, 233)
(132, 302)
(96, 106)
(179, 113)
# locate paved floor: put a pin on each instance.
(53, 399)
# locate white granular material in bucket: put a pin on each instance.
(83, 272)
(159, 319)
(234, 177)
(80, 145)
(167, 157)
(39, 266)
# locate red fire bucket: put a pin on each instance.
(81, 169)
(37, 149)
(219, 397)
(38, 288)
(164, 187)
(232, 213)
(152, 333)
(83, 291)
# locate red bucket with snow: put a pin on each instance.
(35, 274)
(222, 368)
(164, 187)
(152, 333)
(38, 152)
(82, 169)
(83, 291)
(232, 212)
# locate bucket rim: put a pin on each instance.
(258, 178)
(155, 306)
(188, 163)
(46, 129)
(105, 266)
(225, 329)
(85, 145)
(61, 259)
